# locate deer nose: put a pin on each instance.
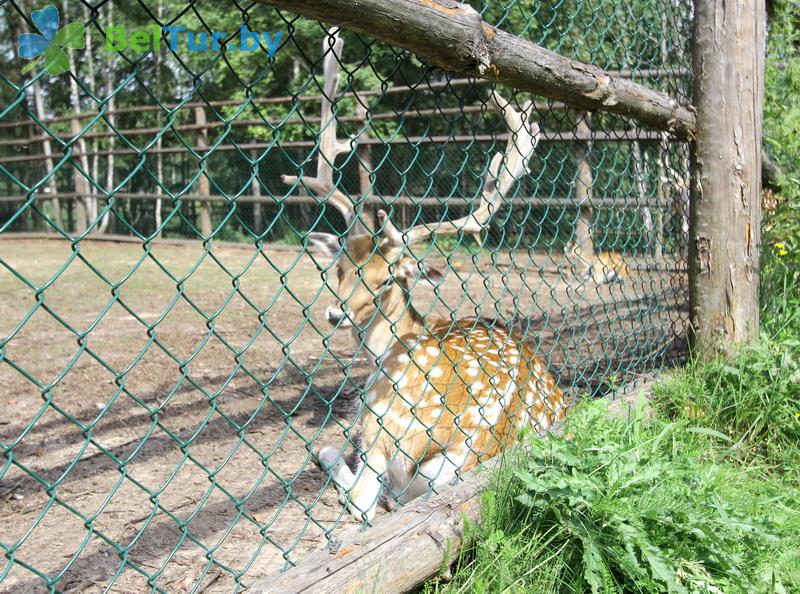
(336, 316)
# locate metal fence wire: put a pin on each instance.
(174, 343)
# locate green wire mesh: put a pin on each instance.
(166, 370)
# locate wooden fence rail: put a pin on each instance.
(372, 200)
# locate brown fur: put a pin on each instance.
(601, 267)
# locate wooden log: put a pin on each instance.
(79, 183)
(453, 36)
(724, 236)
(402, 549)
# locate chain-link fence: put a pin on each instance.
(168, 366)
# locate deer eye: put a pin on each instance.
(387, 283)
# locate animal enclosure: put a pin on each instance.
(167, 372)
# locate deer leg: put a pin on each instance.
(437, 472)
(366, 492)
(360, 490)
(333, 462)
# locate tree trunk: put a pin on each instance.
(641, 192)
(725, 236)
(85, 212)
(255, 190)
(52, 188)
(159, 142)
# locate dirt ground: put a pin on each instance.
(159, 408)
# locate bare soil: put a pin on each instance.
(158, 409)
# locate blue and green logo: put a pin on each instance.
(50, 43)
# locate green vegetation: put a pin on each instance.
(649, 506)
(702, 495)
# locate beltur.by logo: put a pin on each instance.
(49, 44)
(143, 40)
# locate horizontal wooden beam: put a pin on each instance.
(668, 72)
(453, 36)
(546, 136)
(630, 202)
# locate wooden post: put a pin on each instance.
(204, 186)
(724, 236)
(658, 252)
(583, 196)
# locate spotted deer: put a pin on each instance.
(444, 395)
(600, 267)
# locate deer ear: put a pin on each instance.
(432, 275)
(408, 269)
(327, 243)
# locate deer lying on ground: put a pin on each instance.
(444, 395)
(600, 267)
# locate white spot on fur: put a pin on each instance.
(436, 372)
(380, 409)
(491, 414)
(432, 351)
(472, 371)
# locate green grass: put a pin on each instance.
(666, 505)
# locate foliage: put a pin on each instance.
(753, 397)
(780, 267)
(639, 506)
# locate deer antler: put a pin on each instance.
(329, 145)
(504, 170)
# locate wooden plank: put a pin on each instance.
(402, 550)
(668, 72)
(549, 136)
(453, 36)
